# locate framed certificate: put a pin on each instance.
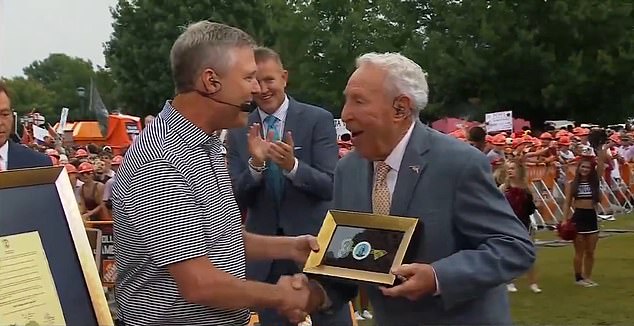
(48, 274)
(361, 247)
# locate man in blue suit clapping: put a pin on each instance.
(282, 172)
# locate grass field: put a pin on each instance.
(564, 303)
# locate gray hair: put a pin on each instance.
(204, 45)
(404, 75)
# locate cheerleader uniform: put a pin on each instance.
(585, 219)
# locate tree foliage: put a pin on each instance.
(27, 95)
(52, 83)
(333, 33)
(543, 59)
(144, 31)
(62, 75)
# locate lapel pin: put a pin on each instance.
(415, 168)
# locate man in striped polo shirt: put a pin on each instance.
(181, 249)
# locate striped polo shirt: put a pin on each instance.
(173, 201)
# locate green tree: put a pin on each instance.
(320, 42)
(542, 59)
(62, 76)
(317, 40)
(144, 31)
(27, 94)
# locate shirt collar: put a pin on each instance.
(396, 156)
(280, 113)
(190, 133)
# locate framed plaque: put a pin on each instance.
(361, 247)
(48, 274)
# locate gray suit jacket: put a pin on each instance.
(470, 234)
(306, 198)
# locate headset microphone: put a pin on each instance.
(244, 107)
(248, 106)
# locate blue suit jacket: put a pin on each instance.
(306, 198)
(470, 234)
(21, 157)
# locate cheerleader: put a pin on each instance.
(582, 197)
(519, 196)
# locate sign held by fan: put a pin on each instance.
(499, 121)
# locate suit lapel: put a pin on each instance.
(292, 118)
(12, 158)
(412, 168)
(254, 117)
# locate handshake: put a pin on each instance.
(299, 297)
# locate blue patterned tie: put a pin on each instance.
(274, 173)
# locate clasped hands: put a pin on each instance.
(300, 297)
(279, 152)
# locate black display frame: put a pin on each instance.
(317, 265)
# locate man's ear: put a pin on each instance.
(402, 107)
(285, 77)
(210, 81)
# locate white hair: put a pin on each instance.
(404, 75)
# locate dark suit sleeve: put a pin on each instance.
(21, 157)
(44, 160)
(497, 247)
(317, 179)
(244, 185)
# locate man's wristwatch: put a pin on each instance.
(257, 168)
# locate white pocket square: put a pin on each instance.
(297, 147)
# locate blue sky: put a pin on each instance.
(32, 29)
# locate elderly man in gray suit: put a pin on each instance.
(471, 243)
(282, 174)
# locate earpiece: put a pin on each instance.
(399, 111)
(216, 85)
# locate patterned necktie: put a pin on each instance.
(274, 173)
(381, 198)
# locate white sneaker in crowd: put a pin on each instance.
(511, 287)
(535, 288)
(591, 283)
(367, 315)
(358, 316)
(607, 217)
(583, 283)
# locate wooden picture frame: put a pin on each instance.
(55, 215)
(374, 237)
